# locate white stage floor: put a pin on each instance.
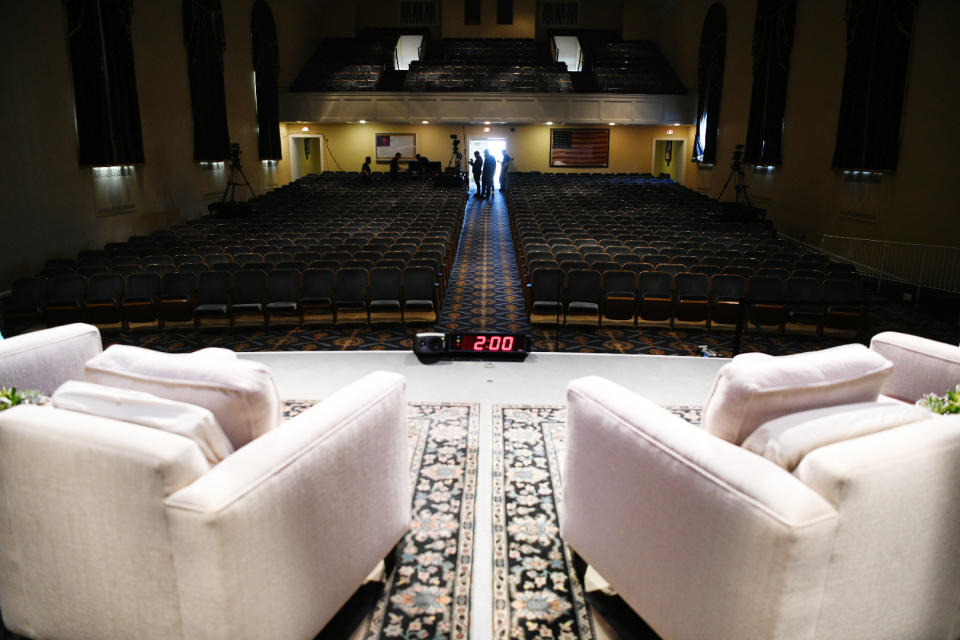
(541, 379)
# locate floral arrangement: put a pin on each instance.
(11, 397)
(947, 403)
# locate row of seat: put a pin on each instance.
(312, 295)
(314, 223)
(656, 231)
(589, 296)
(528, 79)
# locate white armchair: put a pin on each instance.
(110, 529)
(704, 538)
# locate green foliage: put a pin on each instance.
(947, 403)
(11, 397)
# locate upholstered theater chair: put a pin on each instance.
(160, 496)
(806, 506)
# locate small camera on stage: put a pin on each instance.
(430, 344)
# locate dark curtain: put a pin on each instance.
(266, 64)
(874, 82)
(104, 82)
(204, 37)
(713, 47)
(772, 43)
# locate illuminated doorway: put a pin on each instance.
(496, 147)
(667, 158)
(306, 155)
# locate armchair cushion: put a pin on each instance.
(241, 394)
(148, 410)
(750, 391)
(786, 440)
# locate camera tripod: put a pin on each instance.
(233, 182)
(740, 185)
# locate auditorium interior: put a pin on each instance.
(677, 182)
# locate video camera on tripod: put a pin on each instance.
(737, 164)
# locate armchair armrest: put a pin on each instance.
(695, 533)
(306, 511)
(45, 359)
(920, 365)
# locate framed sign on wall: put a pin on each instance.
(579, 147)
(388, 144)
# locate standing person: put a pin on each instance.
(503, 171)
(476, 163)
(366, 173)
(395, 165)
(489, 168)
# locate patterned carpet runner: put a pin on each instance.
(535, 588)
(428, 595)
(485, 293)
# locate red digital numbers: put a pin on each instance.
(493, 343)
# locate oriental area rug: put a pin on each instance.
(428, 593)
(536, 592)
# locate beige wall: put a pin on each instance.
(631, 148)
(524, 20)
(54, 208)
(805, 196)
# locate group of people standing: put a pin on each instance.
(484, 169)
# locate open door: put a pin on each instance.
(306, 155)
(496, 146)
(668, 158)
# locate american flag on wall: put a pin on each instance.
(579, 147)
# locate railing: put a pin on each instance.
(921, 265)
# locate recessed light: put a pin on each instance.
(549, 122)
(424, 122)
(613, 124)
(486, 122)
(362, 121)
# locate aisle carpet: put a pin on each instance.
(536, 591)
(428, 594)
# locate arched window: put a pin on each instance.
(713, 47)
(204, 37)
(104, 82)
(874, 84)
(266, 65)
(772, 44)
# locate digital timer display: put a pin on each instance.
(487, 343)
